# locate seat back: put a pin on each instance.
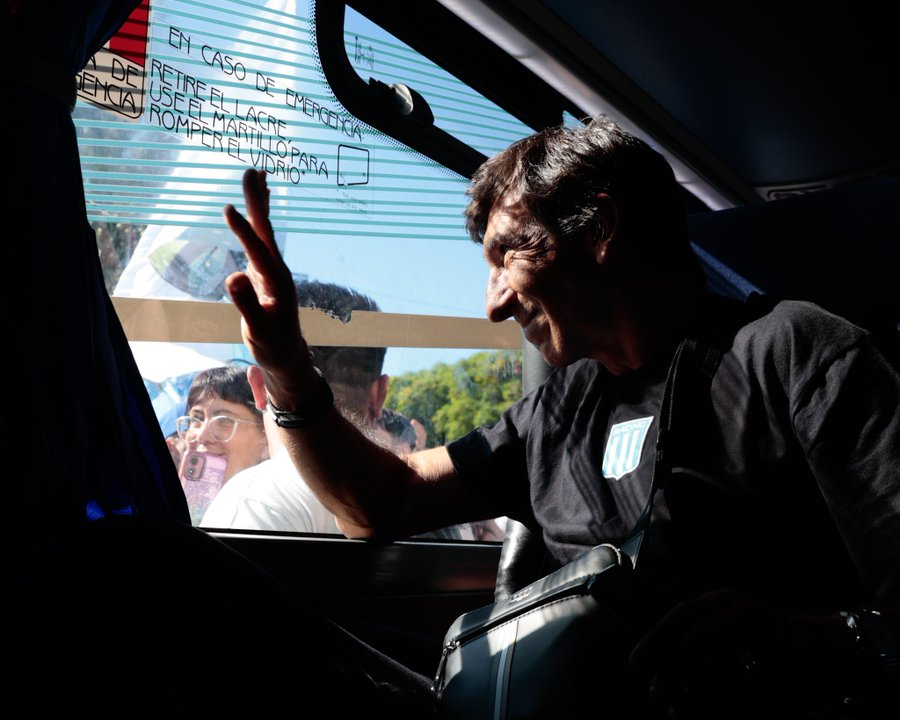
(523, 556)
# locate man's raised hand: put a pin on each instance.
(266, 296)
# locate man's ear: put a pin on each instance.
(606, 226)
(257, 386)
(377, 394)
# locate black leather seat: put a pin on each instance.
(522, 559)
(523, 556)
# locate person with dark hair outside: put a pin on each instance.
(405, 435)
(272, 495)
(771, 580)
(222, 431)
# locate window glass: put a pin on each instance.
(168, 122)
(570, 120)
(457, 108)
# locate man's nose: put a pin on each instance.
(499, 299)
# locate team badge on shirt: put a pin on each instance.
(623, 449)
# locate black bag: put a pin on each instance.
(558, 645)
(541, 652)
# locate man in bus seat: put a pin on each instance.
(771, 551)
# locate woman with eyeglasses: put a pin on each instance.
(222, 432)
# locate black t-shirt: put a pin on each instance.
(786, 479)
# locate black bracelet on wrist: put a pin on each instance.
(314, 408)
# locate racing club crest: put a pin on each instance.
(624, 446)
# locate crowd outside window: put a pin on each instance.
(273, 495)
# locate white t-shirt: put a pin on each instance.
(269, 496)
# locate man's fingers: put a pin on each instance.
(244, 297)
(256, 249)
(264, 293)
(256, 197)
(266, 266)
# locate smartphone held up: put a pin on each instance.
(202, 476)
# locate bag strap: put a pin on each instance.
(701, 360)
(699, 357)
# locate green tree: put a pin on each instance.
(115, 244)
(451, 400)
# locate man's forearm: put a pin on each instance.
(371, 491)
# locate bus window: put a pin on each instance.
(239, 86)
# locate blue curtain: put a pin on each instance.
(80, 434)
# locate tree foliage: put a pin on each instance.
(108, 144)
(451, 400)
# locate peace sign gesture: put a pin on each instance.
(266, 297)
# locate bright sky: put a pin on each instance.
(394, 278)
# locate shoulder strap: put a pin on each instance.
(697, 360)
(691, 356)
